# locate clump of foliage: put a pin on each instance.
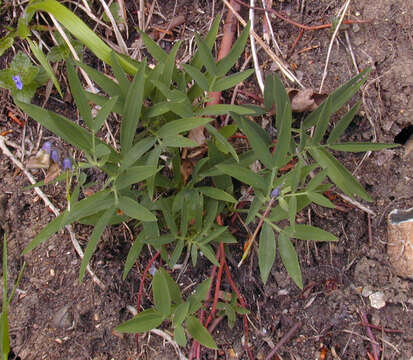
(145, 186)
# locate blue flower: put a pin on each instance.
(47, 147)
(55, 156)
(67, 164)
(276, 192)
(18, 81)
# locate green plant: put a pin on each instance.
(144, 184)
(4, 317)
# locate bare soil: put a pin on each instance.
(54, 317)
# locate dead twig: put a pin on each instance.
(284, 339)
(374, 346)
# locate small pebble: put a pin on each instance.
(377, 300)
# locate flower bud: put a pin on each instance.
(18, 81)
(55, 156)
(47, 147)
(276, 192)
(67, 164)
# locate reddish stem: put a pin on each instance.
(243, 303)
(138, 301)
(374, 346)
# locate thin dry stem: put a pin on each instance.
(257, 68)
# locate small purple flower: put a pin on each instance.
(67, 164)
(47, 147)
(153, 270)
(55, 156)
(18, 81)
(276, 192)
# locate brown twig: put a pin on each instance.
(284, 339)
(301, 26)
(395, 331)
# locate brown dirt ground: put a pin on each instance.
(335, 275)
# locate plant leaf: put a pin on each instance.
(360, 147)
(134, 175)
(206, 56)
(322, 121)
(338, 173)
(94, 239)
(266, 251)
(133, 254)
(216, 193)
(199, 77)
(143, 322)
(179, 336)
(161, 295)
(199, 333)
(132, 109)
(136, 151)
(245, 175)
(290, 259)
(319, 199)
(178, 126)
(342, 125)
(104, 113)
(135, 210)
(231, 80)
(308, 232)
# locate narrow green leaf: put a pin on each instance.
(104, 113)
(179, 336)
(338, 98)
(222, 109)
(292, 210)
(319, 199)
(253, 210)
(290, 259)
(180, 313)
(209, 253)
(178, 126)
(245, 175)
(206, 56)
(322, 121)
(283, 122)
(195, 300)
(45, 63)
(209, 41)
(360, 147)
(132, 109)
(199, 332)
(257, 141)
(316, 180)
(178, 141)
(161, 295)
(342, 125)
(79, 95)
(135, 210)
(93, 241)
(169, 64)
(237, 49)
(154, 49)
(231, 80)
(143, 322)
(221, 140)
(64, 128)
(199, 77)
(173, 287)
(104, 82)
(167, 214)
(216, 193)
(136, 152)
(338, 173)
(120, 75)
(133, 254)
(308, 232)
(211, 214)
(134, 175)
(213, 235)
(266, 251)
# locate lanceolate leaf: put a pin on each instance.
(199, 333)
(161, 295)
(338, 173)
(232, 80)
(343, 124)
(322, 121)
(143, 322)
(266, 251)
(307, 232)
(206, 56)
(178, 126)
(290, 259)
(360, 147)
(135, 210)
(245, 175)
(94, 239)
(132, 109)
(216, 193)
(199, 77)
